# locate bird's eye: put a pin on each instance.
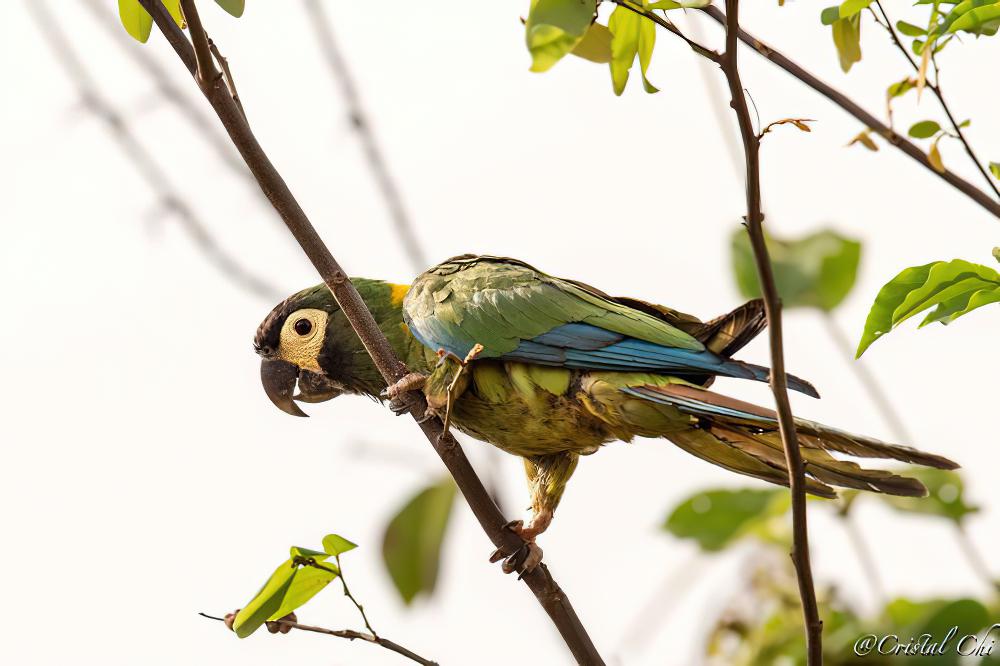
(303, 326)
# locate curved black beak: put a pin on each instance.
(278, 379)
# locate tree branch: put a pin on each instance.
(936, 89)
(156, 178)
(359, 121)
(539, 580)
(772, 307)
(667, 25)
(848, 105)
(349, 634)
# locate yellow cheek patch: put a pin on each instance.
(397, 293)
(303, 350)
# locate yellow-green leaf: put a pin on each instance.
(595, 45)
(815, 271)
(847, 39)
(717, 518)
(174, 7)
(554, 28)
(952, 286)
(334, 544)
(234, 7)
(305, 584)
(136, 20)
(647, 39)
(411, 546)
(267, 600)
(679, 4)
(865, 139)
(995, 169)
(624, 27)
(924, 129)
(934, 157)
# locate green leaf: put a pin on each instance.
(919, 288)
(945, 495)
(816, 271)
(900, 88)
(851, 7)
(554, 28)
(411, 546)
(307, 553)
(924, 129)
(847, 39)
(234, 7)
(267, 600)
(679, 4)
(174, 7)
(830, 15)
(995, 169)
(334, 544)
(595, 45)
(909, 29)
(981, 20)
(306, 583)
(647, 40)
(716, 518)
(624, 27)
(137, 21)
(996, 253)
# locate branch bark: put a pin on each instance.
(772, 307)
(144, 162)
(540, 581)
(843, 101)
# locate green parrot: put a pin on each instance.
(550, 369)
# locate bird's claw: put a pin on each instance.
(524, 559)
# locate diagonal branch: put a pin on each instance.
(935, 87)
(772, 306)
(848, 105)
(359, 121)
(145, 164)
(539, 580)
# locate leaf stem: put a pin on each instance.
(347, 593)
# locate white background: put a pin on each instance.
(145, 476)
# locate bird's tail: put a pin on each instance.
(744, 438)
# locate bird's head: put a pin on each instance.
(307, 340)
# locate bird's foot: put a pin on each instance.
(524, 559)
(410, 382)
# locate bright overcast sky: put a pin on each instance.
(144, 474)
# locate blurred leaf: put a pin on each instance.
(845, 10)
(595, 45)
(924, 129)
(865, 139)
(334, 544)
(934, 157)
(267, 600)
(946, 495)
(995, 169)
(234, 7)
(936, 617)
(956, 287)
(624, 26)
(817, 271)
(996, 253)
(901, 88)
(909, 29)
(411, 547)
(716, 518)
(136, 20)
(847, 39)
(554, 28)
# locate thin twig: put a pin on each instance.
(965, 187)
(539, 580)
(347, 593)
(935, 87)
(772, 307)
(350, 635)
(374, 155)
(143, 160)
(230, 83)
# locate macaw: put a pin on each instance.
(551, 369)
